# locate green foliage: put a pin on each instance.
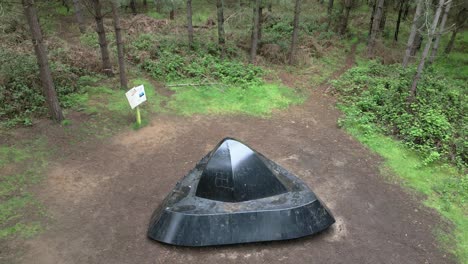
(90, 39)
(173, 62)
(21, 96)
(434, 124)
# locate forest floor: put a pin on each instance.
(100, 193)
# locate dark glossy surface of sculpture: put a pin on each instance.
(236, 195)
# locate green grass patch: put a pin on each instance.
(21, 166)
(445, 189)
(257, 99)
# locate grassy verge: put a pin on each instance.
(257, 99)
(445, 189)
(21, 166)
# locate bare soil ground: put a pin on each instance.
(100, 194)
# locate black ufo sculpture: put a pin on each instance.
(236, 195)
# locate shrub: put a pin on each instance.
(21, 95)
(375, 94)
(173, 62)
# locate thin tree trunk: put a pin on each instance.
(158, 5)
(120, 45)
(383, 19)
(432, 30)
(461, 18)
(414, 30)
(106, 64)
(440, 31)
(292, 51)
(221, 35)
(348, 4)
(254, 38)
(407, 8)
(374, 6)
(375, 29)
(48, 87)
(133, 7)
(172, 12)
(79, 16)
(329, 13)
(260, 23)
(400, 12)
(189, 23)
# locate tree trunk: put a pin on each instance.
(400, 12)
(221, 35)
(120, 45)
(158, 5)
(292, 51)
(172, 12)
(461, 18)
(133, 7)
(375, 29)
(329, 13)
(254, 37)
(48, 87)
(260, 23)
(414, 30)
(106, 64)
(432, 30)
(348, 4)
(440, 31)
(189, 23)
(383, 19)
(407, 8)
(373, 4)
(79, 16)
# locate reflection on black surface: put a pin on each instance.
(235, 173)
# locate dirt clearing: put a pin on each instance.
(100, 196)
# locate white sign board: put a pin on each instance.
(136, 96)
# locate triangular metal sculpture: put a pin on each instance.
(236, 195)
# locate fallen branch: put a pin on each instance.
(193, 84)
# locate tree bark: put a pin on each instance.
(440, 31)
(260, 23)
(158, 5)
(79, 16)
(373, 4)
(414, 30)
(407, 8)
(432, 30)
(133, 7)
(172, 12)
(400, 12)
(254, 37)
(120, 45)
(383, 19)
(375, 29)
(48, 87)
(189, 23)
(106, 64)
(348, 4)
(460, 20)
(329, 13)
(221, 35)
(292, 51)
